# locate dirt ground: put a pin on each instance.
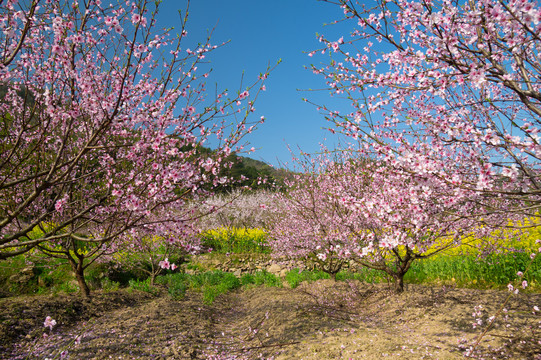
(321, 320)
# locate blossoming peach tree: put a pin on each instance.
(309, 221)
(365, 211)
(101, 117)
(446, 94)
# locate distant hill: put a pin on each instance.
(246, 171)
(254, 170)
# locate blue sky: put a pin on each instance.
(263, 31)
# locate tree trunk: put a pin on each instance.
(333, 268)
(78, 269)
(402, 266)
(333, 276)
(398, 282)
(85, 290)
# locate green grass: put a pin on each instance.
(42, 275)
(109, 286)
(294, 277)
(213, 283)
(51, 276)
(261, 278)
(143, 285)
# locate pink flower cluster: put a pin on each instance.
(165, 264)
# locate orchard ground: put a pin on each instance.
(318, 320)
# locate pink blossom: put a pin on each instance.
(56, 49)
(244, 94)
(60, 204)
(135, 18)
(49, 322)
(208, 164)
(433, 118)
(164, 264)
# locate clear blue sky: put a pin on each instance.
(263, 31)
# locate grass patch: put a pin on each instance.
(213, 283)
(143, 285)
(261, 278)
(295, 276)
(35, 274)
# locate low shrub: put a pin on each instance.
(176, 284)
(68, 287)
(33, 273)
(211, 284)
(109, 286)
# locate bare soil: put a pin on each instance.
(321, 320)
